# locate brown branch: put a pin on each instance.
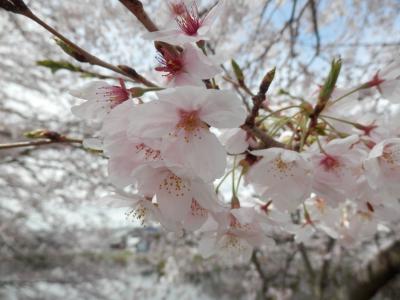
(307, 262)
(323, 280)
(266, 140)
(136, 8)
(71, 48)
(376, 274)
(260, 97)
(45, 138)
(293, 34)
(264, 278)
(314, 16)
(250, 124)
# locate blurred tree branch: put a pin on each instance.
(376, 274)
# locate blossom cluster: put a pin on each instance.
(339, 175)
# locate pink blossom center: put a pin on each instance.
(114, 94)
(169, 63)
(190, 121)
(376, 81)
(329, 163)
(190, 21)
(368, 129)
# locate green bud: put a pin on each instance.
(71, 51)
(55, 66)
(35, 134)
(238, 71)
(330, 82)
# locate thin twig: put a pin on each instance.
(40, 142)
(84, 56)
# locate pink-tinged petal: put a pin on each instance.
(91, 90)
(147, 179)
(198, 64)
(233, 248)
(174, 197)
(153, 120)
(341, 145)
(383, 167)
(390, 90)
(196, 217)
(119, 171)
(223, 109)
(183, 78)
(234, 140)
(244, 215)
(204, 194)
(91, 110)
(119, 200)
(199, 155)
(187, 98)
(283, 176)
(116, 121)
(171, 36)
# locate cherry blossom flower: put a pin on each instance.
(356, 225)
(125, 155)
(102, 98)
(387, 81)
(284, 176)
(189, 26)
(181, 117)
(141, 208)
(174, 194)
(337, 169)
(233, 234)
(188, 67)
(383, 167)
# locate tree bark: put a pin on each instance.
(378, 272)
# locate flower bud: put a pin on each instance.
(71, 51)
(14, 6)
(266, 82)
(238, 71)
